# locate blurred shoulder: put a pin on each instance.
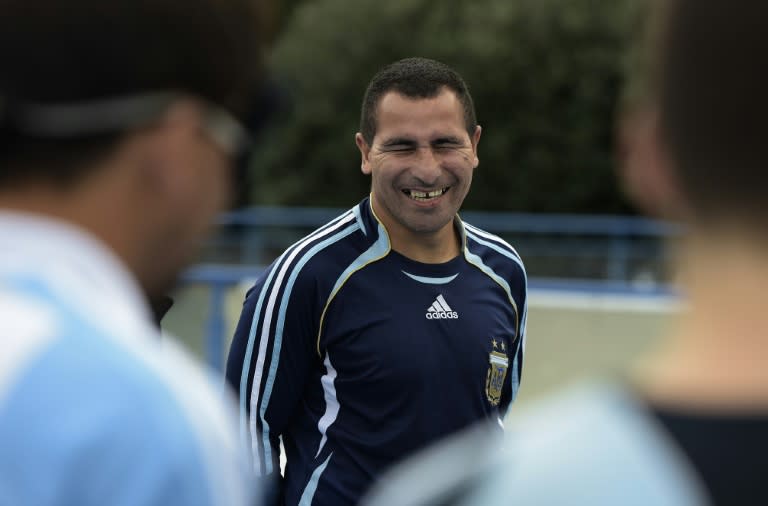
(590, 444)
(139, 416)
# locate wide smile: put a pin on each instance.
(422, 196)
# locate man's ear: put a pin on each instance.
(475, 141)
(169, 144)
(365, 150)
(645, 169)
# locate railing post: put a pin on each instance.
(216, 326)
(618, 261)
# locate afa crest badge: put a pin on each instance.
(497, 371)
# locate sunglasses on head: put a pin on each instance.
(93, 117)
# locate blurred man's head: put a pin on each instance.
(707, 97)
(713, 77)
(120, 116)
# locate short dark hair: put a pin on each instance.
(414, 78)
(712, 91)
(70, 51)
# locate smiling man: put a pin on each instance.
(395, 324)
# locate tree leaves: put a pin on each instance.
(545, 76)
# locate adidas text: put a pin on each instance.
(443, 315)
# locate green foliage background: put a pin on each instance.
(545, 76)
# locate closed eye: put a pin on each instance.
(398, 146)
(449, 143)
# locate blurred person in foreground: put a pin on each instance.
(395, 324)
(117, 138)
(690, 425)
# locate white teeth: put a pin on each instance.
(417, 195)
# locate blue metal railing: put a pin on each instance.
(219, 279)
(612, 240)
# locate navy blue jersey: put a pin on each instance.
(357, 356)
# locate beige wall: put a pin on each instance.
(580, 336)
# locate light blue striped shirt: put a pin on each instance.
(95, 408)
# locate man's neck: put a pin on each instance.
(439, 247)
(435, 247)
(716, 355)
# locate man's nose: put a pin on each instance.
(427, 166)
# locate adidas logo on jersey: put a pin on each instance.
(440, 310)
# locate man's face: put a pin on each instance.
(198, 186)
(421, 162)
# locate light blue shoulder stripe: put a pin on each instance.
(493, 238)
(509, 254)
(430, 281)
(525, 317)
(378, 250)
(359, 218)
(515, 376)
(520, 353)
(278, 340)
(254, 324)
(514, 258)
(478, 262)
(247, 365)
(309, 491)
(512, 255)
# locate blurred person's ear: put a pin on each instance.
(645, 170)
(179, 156)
